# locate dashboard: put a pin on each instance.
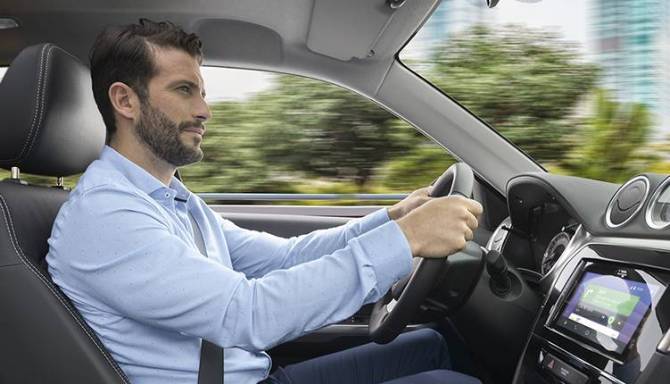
(598, 254)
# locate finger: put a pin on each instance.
(423, 192)
(474, 207)
(469, 235)
(471, 221)
(425, 199)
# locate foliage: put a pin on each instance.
(419, 167)
(233, 160)
(297, 130)
(307, 136)
(523, 82)
(326, 131)
(611, 143)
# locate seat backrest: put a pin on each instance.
(51, 127)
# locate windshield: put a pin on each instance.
(582, 86)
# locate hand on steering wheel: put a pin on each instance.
(435, 235)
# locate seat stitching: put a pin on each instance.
(37, 104)
(17, 248)
(42, 97)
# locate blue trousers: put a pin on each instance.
(418, 357)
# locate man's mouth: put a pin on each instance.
(199, 130)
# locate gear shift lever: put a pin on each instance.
(496, 266)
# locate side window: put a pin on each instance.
(272, 133)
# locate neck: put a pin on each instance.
(140, 154)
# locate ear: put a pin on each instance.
(124, 100)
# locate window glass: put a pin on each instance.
(583, 87)
(289, 134)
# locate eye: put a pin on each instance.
(184, 89)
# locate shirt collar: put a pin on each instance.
(142, 179)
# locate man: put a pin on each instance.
(126, 247)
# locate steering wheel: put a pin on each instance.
(393, 312)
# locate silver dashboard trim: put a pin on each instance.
(579, 239)
(664, 345)
(500, 228)
(608, 221)
(652, 200)
(207, 196)
(361, 328)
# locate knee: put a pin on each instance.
(429, 336)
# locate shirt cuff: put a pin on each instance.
(389, 253)
(371, 221)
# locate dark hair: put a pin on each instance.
(122, 53)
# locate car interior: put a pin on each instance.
(566, 279)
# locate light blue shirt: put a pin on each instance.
(122, 249)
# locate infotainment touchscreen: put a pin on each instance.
(607, 307)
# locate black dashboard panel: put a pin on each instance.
(584, 200)
(603, 243)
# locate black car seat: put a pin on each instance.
(52, 127)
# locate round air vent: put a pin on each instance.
(627, 201)
(658, 210)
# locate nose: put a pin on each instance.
(202, 112)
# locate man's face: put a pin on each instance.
(171, 121)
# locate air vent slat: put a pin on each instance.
(627, 201)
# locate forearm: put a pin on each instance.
(259, 253)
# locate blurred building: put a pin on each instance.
(632, 46)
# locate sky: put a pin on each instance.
(568, 17)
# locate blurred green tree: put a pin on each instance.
(416, 168)
(299, 130)
(611, 143)
(523, 82)
(233, 161)
(323, 130)
(304, 134)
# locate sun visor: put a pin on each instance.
(345, 29)
(239, 42)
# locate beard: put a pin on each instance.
(162, 136)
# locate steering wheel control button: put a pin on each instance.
(563, 370)
(627, 201)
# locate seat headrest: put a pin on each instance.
(49, 122)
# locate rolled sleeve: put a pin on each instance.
(389, 252)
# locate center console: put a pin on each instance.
(603, 321)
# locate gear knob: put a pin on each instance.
(496, 266)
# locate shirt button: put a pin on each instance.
(167, 195)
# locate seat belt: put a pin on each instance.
(211, 355)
